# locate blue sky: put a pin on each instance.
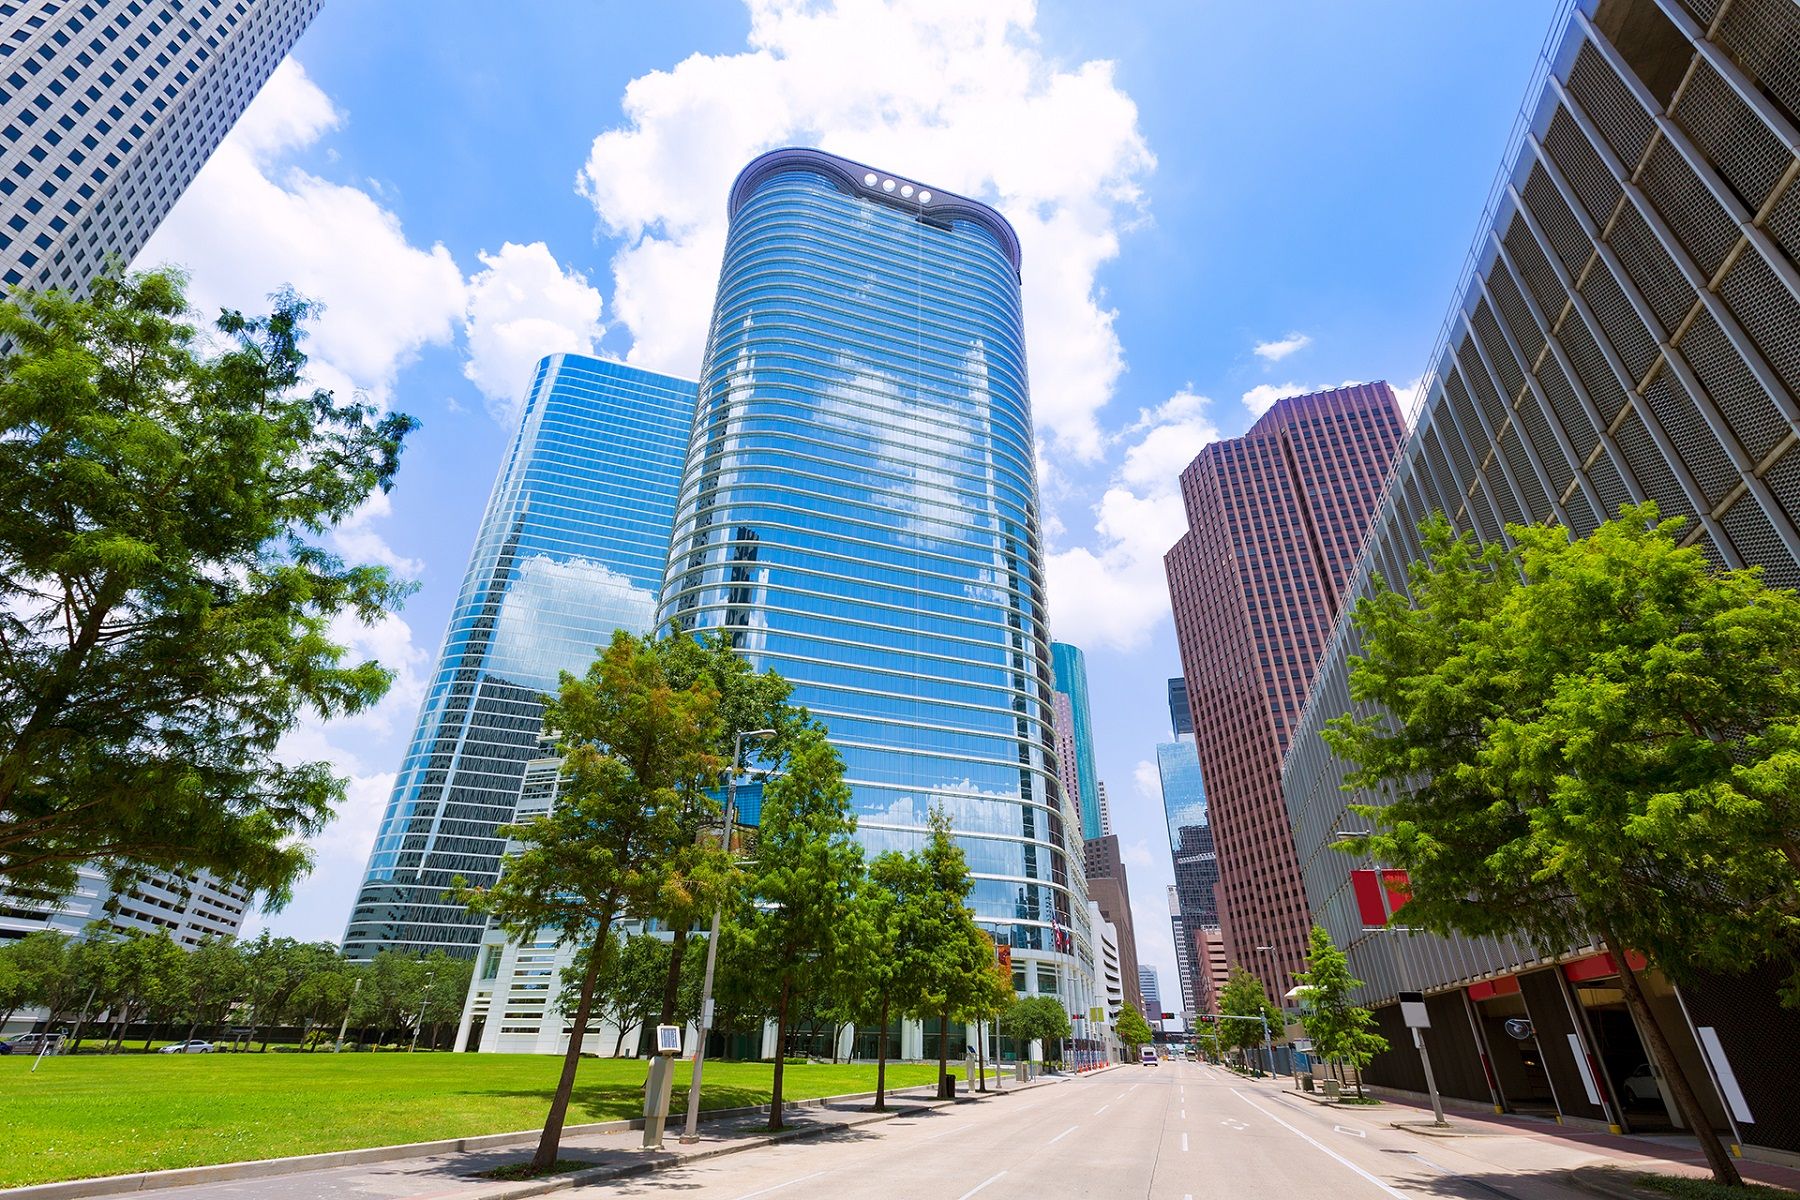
(1219, 203)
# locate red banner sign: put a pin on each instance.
(1368, 895)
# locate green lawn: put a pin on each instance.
(80, 1116)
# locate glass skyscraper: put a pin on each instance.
(859, 512)
(1068, 673)
(571, 548)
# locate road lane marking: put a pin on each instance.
(1184, 1143)
(1233, 1123)
(979, 1186)
(1059, 1137)
(778, 1186)
(1184, 1114)
(1103, 1108)
(1352, 1132)
(1398, 1195)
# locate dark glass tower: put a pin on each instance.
(571, 548)
(859, 511)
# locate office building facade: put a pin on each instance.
(1276, 519)
(859, 512)
(108, 108)
(1190, 844)
(1109, 887)
(572, 547)
(1150, 988)
(1626, 331)
(1068, 672)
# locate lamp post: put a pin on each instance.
(1403, 963)
(424, 1003)
(691, 1133)
(1269, 1046)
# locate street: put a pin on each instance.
(1171, 1132)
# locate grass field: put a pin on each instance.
(80, 1116)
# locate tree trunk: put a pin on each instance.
(545, 1158)
(881, 1060)
(943, 1051)
(781, 1017)
(619, 1045)
(672, 985)
(1717, 1158)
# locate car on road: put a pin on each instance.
(195, 1047)
(1640, 1086)
(31, 1043)
(1149, 1059)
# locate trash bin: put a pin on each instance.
(947, 1088)
(1332, 1088)
(1306, 1081)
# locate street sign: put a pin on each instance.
(1096, 1013)
(1412, 1010)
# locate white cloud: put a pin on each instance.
(956, 95)
(1409, 398)
(1261, 398)
(249, 225)
(1115, 595)
(1148, 780)
(522, 307)
(1275, 351)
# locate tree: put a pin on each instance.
(13, 990)
(630, 993)
(1133, 1030)
(217, 976)
(151, 973)
(875, 963)
(44, 967)
(1247, 1016)
(1590, 737)
(164, 620)
(323, 996)
(940, 937)
(704, 876)
(629, 739)
(808, 866)
(1039, 1019)
(989, 993)
(1341, 1031)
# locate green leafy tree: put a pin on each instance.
(1589, 737)
(629, 740)
(1133, 1030)
(1040, 1019)
(989, 993)
(274, 969)
(1248, 1015)
(740, 997)
(1341, 1030)
(443, 987)
(940, 937)
(808, 867)
(703, 877)
(322, 998)
(164, 619)
(151, 973)
(13, 991)
(875, 963)
(93, 964)
(49, 982)
(630, 992)
(217, 977)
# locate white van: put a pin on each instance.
(1149, 1059)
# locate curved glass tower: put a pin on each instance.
(859, 512)
(572, 547)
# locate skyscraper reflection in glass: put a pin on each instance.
(572, 547)
(1068, 674)
(859, 512)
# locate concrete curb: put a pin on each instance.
(1317, 1098)
(263, 1168)
(1427, 1129)
(1612, 1183)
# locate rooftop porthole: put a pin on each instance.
(924, 197)
(906, 190)
(887, 185)
(869, 179)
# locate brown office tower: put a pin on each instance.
(1109, 887)
(1275, 522)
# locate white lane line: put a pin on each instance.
(1352, 1132)
(1184, 1143)
(1059, 1137)
(979, 1186)
(1398, 1195)
(778, 1186)
(1103, 1108)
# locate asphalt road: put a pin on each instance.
(1171, 1132)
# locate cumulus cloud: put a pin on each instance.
(1261, 398)
(523, 306)
(1275, 351)
(1409, 397)
(957, 96)
(1114, 595)
(250, 225)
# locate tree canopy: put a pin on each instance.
(166, 614)
(1247, 1015)
(1586, 737)
(1133, 1030)
(1341, 1030)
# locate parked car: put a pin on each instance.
(1640, 1087)
(31, 1043)
(195, 1047)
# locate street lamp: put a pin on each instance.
(1268, 1045)
(691, 1133)
(1403, 961)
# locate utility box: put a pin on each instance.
(658, 1083)
(1333, 1088)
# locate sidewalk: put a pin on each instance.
(1495, 1137)
(614, 1150)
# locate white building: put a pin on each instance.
(108, 108)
